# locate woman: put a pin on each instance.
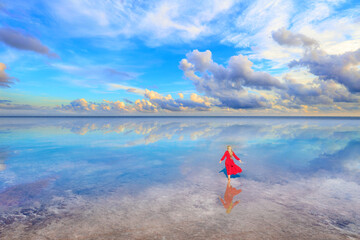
(231, 167)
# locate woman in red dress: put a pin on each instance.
(231, 167)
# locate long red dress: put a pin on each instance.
(231, 167)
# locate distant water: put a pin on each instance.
(160, 178)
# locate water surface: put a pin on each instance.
(160, 178)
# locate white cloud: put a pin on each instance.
(155, 22)
(336, 31)
(153, 102)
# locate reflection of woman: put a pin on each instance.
(231, 167)
(230, 193)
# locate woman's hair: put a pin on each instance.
(231, 152)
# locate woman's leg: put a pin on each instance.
(228, 177)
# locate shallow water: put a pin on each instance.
(160, 178)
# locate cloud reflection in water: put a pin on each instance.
(305, 168)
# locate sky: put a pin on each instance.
(208, 58)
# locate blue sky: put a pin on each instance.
(211, 57)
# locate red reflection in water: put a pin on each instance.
(229, 194)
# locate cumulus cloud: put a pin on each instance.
(144, 105)
(200, 99)
(286, 37)
(83, 106)
(18, 40)
(238, 86)
(342, 68)
(316, 92)
(185, 104)
(118, 105)
(170, 104)
(155, 95)
(153, 102)
(227, 84)
(5, 79)
(78, 105)
(337, 77)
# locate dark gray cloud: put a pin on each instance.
(316, 92)
(5, 101)
(247, 102)
(5, 79)
(227, 83)
(342, 68)
(18, 40)
(286, 37)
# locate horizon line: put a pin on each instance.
(181, 116)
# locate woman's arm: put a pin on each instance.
(222, 201)
(223, 157)
(237, 158)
